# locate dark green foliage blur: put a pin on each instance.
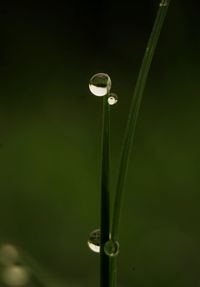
(50, 139)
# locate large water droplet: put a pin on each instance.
(111, 248)
(100, 84)
(112, 99)
(94, 241)
(15, 276)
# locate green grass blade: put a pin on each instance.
(105, 196)
(133, 114)
(130, 128)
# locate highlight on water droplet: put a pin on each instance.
(100, 84)
(8, 254)
(111, 248)
(112, 99)
(94, 241)
(15, 276)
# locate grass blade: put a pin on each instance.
(133, 114)
(131, 125)
(105, 196)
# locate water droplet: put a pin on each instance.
(112, 99)
(15, 276)
(100, 84)
(94, 241)
(8, 254)
(111, 248)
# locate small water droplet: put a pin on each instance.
(94, 241)
(111, 248)
(112, 99)
(100, 84)
(15, 276)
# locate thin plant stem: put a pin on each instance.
(131, 124)
(105, 196)
(133, 115)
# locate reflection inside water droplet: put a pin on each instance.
(100, 84)
(111, 248)
(94, 241)
(112, 99)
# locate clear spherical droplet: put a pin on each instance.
(15, 276)
(8, 254)
(94, 241)
(112, 99)
(111, 248)
(100, 84)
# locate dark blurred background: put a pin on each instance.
(50, 139)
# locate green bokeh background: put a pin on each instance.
(50, 136)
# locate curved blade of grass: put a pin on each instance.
(133, 114)
(105, 196)
(130, 128)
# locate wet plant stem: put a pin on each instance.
(105, 196)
